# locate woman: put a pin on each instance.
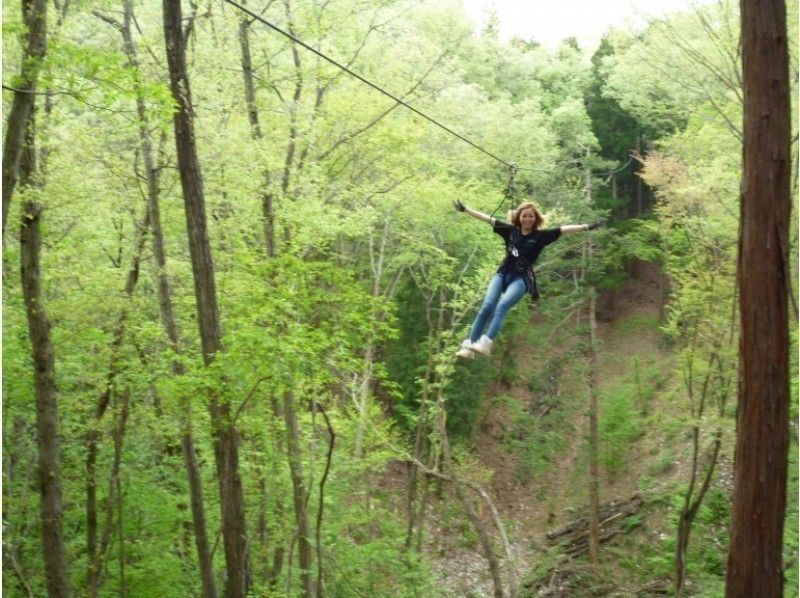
(524, 239)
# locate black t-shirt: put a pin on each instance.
(528, 247)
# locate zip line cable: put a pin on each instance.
(513, 168)
(363, 80)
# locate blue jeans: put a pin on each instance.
(496, 305)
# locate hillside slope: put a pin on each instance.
(531, 436)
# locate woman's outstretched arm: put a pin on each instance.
(568, 229)
(474, 213)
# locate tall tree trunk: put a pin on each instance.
(298, 91)
(280, 550)
(51, 510)
(167, 312)
(762, 444)
(267, 208)
(321, 504)
(305, 548)
(225, 435)
(594, 476)
(368, 369)
(34, 14)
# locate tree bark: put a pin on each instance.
(594, 475)
(298, 91)
(267, 208)
(34, 13)
(321, 504)
(305, 548)
(762, 444)
(168, 314)
(51, 509)
(224, 432)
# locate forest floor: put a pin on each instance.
(531, 505)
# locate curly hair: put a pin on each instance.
(513, 215)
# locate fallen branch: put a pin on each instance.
(573, 537)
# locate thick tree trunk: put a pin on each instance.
(305, 548)
(168, 315)
(760, 470)
(225, 435)
(34, 14)
(51, 510)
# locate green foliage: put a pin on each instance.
(625, 406)
(619, 426)
(535, 439)
(375, 277)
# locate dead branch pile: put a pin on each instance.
(574, 537)
(567, 580)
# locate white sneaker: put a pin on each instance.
(483, 345)
(465, 352)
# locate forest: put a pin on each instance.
(234, 286)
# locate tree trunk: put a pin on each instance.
(34, 14)
(298, 91)
(762, 444)
(51, 509)
(483, 536)
(639, 190)
(420, 446)
(225, 435)
(280, 550)
(167, 313)
(594, 475)
(114, 484)
(267, 209)
(95, 552)
(305, 548)
(321, 504)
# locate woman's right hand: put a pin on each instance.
(459, 206)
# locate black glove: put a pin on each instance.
(459, 206)
(595, 225)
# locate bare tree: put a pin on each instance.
(760, 469)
